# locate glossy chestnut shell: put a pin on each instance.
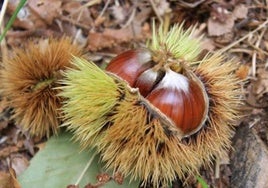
(180, 95)
(130, 64)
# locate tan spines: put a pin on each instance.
(28, 78)
(133, 137)
(147, 148)
(223, 89)
(90, 96)
(139, 146)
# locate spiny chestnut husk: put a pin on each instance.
(161, 120)
(28, 78)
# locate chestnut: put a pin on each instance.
(138, 112)
(171, 88)
(128, 65)
(183, 100)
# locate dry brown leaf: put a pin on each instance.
(143, 14)
(48, 10)
(77, 12)
(240, 11)
(3, 124)
(8, 180)
(100, 20)
(3, 104)
(26, 18)
(217, 28)
(258, 90)
(19, 163)
(226, 38)
(111, 37)
(162, 7)
(120, 13)
(266, 45)
(222, 21)
(208, 44)
(219, 12)
(3, 113)
(5, 152)
(242, 72)
(261, 85)
(72, 186)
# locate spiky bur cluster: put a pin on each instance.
(177, 44)
(28, 78)
(133, 134)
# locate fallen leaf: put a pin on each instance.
(208, 44)
(242, 72)
(226, 38)
(222, 21)
(258, 90)
(5, 152)
(3, 124)
(61, 163)
(72, 186)
(77, 12)
(111, 37)
(219, 13)
(26, 18)
(4, 180)
(8, 180)
(217, 28)
(48, 10)
(240, 11)
(162, 7)
(120, 13)
(261, 85)
(19, 163)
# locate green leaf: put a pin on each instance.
(202, 182)
(61, 163)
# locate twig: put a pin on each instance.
(166, 23)
(89, 4)
(258, 49)
(254, 122)
(191, 5)
(3, 42)
(241, 50)
(3, 11)
(217, 167)
(131, 17)
(83, 26)
(85, 169)
(104, 9)
(155, 10)
(254, 56)
(244, 37)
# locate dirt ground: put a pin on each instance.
(108, 27)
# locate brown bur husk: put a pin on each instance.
(28, 78)
(134, 137)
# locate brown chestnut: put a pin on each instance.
(172, 88)
(130, 64)
(147, 80)
(182, 100)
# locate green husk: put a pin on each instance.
(177, 43)
(90, 96)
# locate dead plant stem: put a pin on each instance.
(243, 38)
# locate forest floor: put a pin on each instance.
(108, 27)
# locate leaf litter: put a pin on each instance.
(106, 28)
